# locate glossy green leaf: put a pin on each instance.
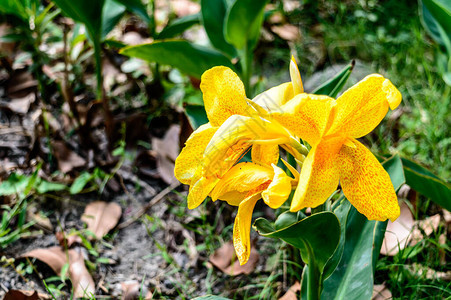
(80, 182)
(213, 18)
(334, 85)
(87, 12)
(316, 235)
(197, 115)
(427, 184)
(432, 26)
(178, 26)
(243, 22)
(136, 7)
(111, 14)
(14, 7)
(354, 274)
(187, 57)
(440, 12)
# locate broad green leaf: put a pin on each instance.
(432, 26)
(88, 12)
(213, 18)
(334, 85)
(178, 26)
(14, 7)
(196, 115)
(187, 57)
(354, 275)
(427, 184)
(318, 233)
(80, 182)
(111, 14)
(447, 78)
(243, 23)
(440, 12)
(136, 7)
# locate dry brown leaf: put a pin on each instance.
(288, 32)
(67, 159)
(431, 274)
(184, 7)
(167, 150)
(101, 217)
(39, 219)
(132, 289)
(381, 292)
(21, 84)
(224, 258)
(21, 105)
(292, 292)
(6, 47)
(447, 216)
(398, 232)
(428, 226)
(56, 258)
(21, 295)
(67, 240)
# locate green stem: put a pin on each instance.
(314, 283)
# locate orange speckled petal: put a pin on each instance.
(295, 75)
(319, 175)
(275, 97)
(306, 115)
(189, 159)
(366, 184)
(278, 190)
(223, 94)
(242, 177)
(362, 107)
(265, 154)
(242, 226)
(199, 190)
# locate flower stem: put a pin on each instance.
(314, 282)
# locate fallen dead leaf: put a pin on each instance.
(39, 219)
(184, 7)
(447, 216)
(67, 159)
(6, 47)
(21, 84)
(56, 258)
(381, 292)
(21, 105)
(288, 32)
(101, 217)
(431, 274)
(132, 290)
(67, 240)
(224, 258)
(292, 292)
(428, 226)
(21, 295)
(398, 233)
(167, 150)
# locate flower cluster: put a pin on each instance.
(281, 117)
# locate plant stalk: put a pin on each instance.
(314, 282)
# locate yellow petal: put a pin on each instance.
(366, 184)
(319, 175)
(275, 97)
(242, 178)
(189, 159)
(223, 94)
(199, 190)
(242, 226)
(278, 190)
(234, 137)
(306, 115)
(265, 154)
(361, 108)
(295, 75)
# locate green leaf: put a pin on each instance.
(187, 57)
(111, 14)
(14, 184)
(353, 277)
(243, 23)
(88, 12)
(178, 26)
(136, 7)
(45, 186)
(196, 115)
(427, 184)
(14, 7)
(80, 182)
(319, 233)
(432, 26)
(436, 14)
(334, 85)
(213, 18)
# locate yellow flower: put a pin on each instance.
(243, 185)
(235, 124)
(331, 127)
